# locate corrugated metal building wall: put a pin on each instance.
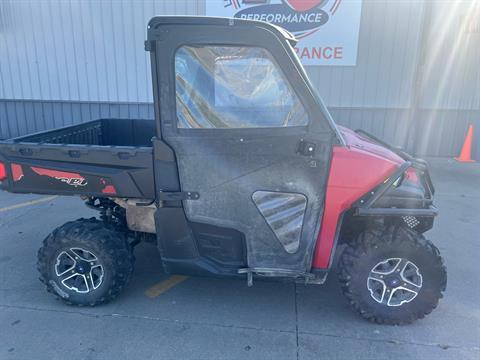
(416, 82)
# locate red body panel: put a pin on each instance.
(355, 169)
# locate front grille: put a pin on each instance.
(411, 221)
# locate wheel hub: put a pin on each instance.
(82, 267)
(79, 270)
(394, 281)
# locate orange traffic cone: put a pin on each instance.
(466, 153)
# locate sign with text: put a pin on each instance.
(327, 30)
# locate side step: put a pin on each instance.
(301, 277)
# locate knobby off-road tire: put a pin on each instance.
(91, 249)
(373, 247)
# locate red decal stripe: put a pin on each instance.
(109, 189)
(57, 174)
(17, 172)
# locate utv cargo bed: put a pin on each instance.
(105, 157)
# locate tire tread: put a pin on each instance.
(89, 230)
(392, 236)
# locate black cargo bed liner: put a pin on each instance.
(103, 132)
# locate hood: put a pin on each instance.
(352, 139)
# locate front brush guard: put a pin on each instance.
(364, 207)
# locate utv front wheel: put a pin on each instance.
(84, 262)
(392, 276)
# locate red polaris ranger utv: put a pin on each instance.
(243, 173)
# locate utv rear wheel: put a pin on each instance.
(392, 276)
(84, 262)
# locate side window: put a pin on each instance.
(233, 87)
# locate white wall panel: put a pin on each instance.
(382, 78)
(451, 68)
(79, 50)
(93, 51)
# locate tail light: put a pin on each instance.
(3, 172)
